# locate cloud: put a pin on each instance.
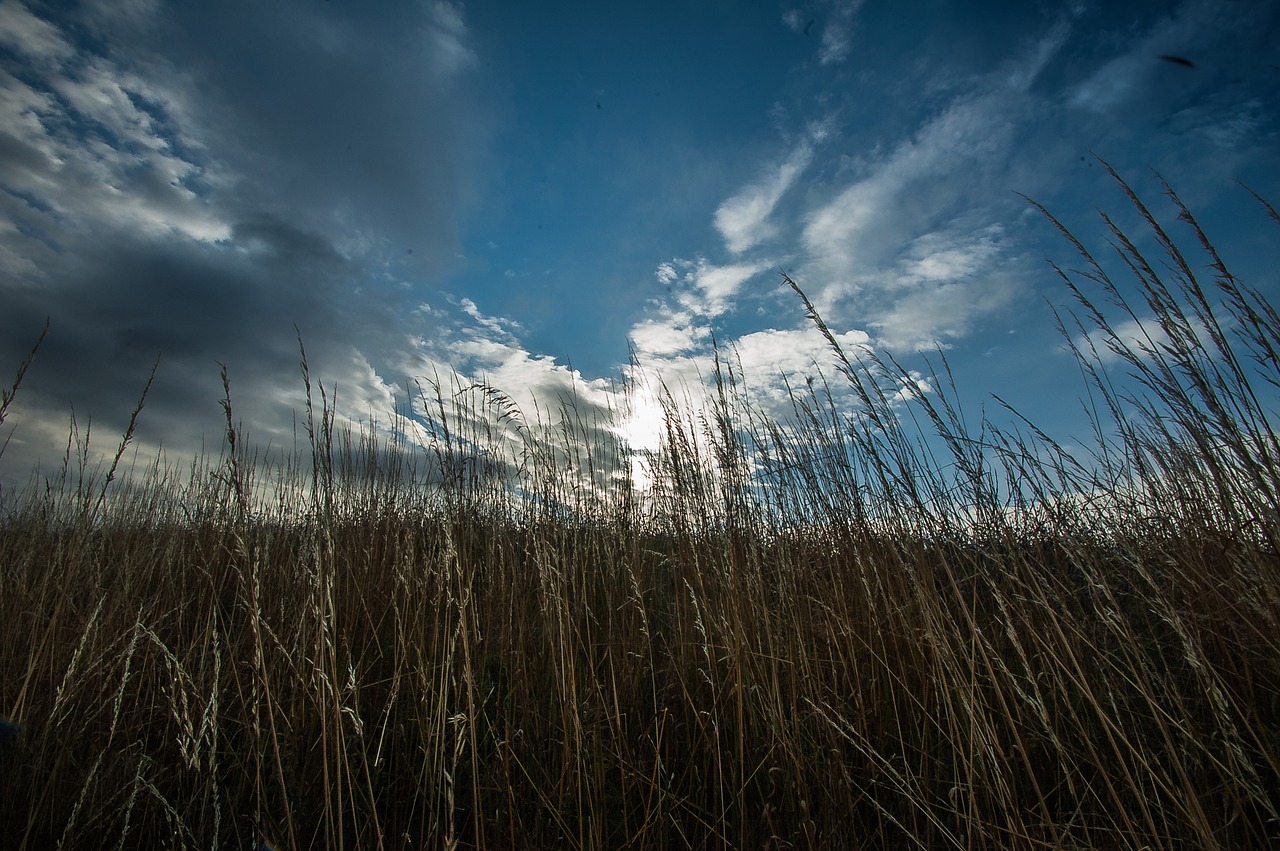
(193, 183)
(715, 287)
(676, 359)
(80, 155)
(773, 357)
(516, 405)
(1142, 338)
(448, 39)
(860, 232)
(743, 219)
(481, 347)
(935, 257)
(502, 328)
(704, 289)
(941, 284)
(35, 38)
(930, 317)
(837, 34)
(794, 20)
(1136, 82)
(1024, 70)
(836, 18)
(669, 333)
(907, 246)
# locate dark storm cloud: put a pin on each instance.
(345, 116)
(122, 305)
(195, 181)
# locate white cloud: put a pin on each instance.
(934, 289)
(877, 248)
(489, 348)
(503, 328)
(123, 174)
(968, 129)
(33, 37)
(941, 257)
(906, 192)
(669, 333)
(1137, 336)
(837, 34)
(770, 356)
(703, 288)
(716, 286)
(930, 316)
(743, 219)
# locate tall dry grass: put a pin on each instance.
(877, 627)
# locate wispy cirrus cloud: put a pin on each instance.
(854, 241)
(831, 22)
(743, 220)
(837, 33)
(1183, 77)
(941, 286)
(908, 246)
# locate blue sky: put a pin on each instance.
(527, 193)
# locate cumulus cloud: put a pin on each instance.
(774, 357)
(715, 287)
(705, 289)
(676, 359)
(668, 333)
(519, 402)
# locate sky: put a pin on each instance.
(561, 198)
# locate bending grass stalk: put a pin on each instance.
(882, 619)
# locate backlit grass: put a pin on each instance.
(854, 627)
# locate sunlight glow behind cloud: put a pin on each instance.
(432, 188)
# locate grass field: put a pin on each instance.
(873, 626)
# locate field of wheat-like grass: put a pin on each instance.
(849, 628)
